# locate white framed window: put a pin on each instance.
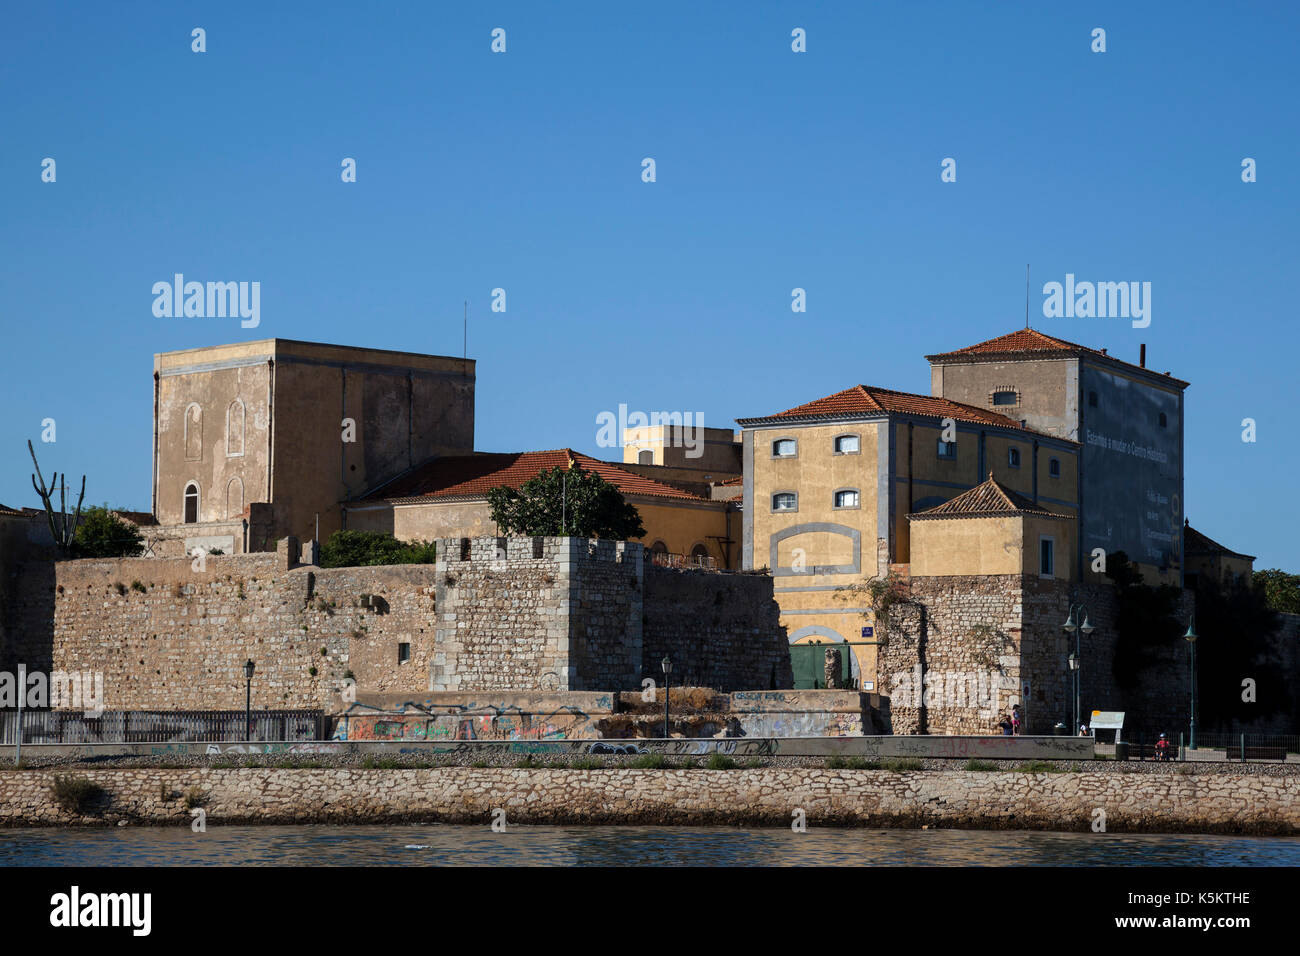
(785, 501)
(846, 445)
(192, 503)
(785, 448)
(846, 498)
(1046, 556)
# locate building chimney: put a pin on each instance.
(1142, 355)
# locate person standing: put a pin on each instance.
(1015, 720)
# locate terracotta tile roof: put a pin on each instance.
(988, 499)
(1196, 543)
(862, 399)
(1029, 342)
(472, 476)
(20, 512)
(138, 517)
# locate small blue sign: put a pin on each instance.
(868, 631)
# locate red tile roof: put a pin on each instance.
(865, 399)
(988, 499)
(1024, 342)
(1196, 543)
(472, 476)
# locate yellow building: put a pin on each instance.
(447, 498)
(829, 486)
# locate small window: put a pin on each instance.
(1164, 420)
(403, 652)
(846, 445)
(646, 457)
(191, 503)
(846, 499)
(1054, 467)
(1005, 398)
(785, 501)
(784, 448)
(659, 548)
(1092, 399)
(700, 555)
(1013, 457)
(1046, 557)
(947, 449)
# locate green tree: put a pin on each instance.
(1235, 627)
(1281, 591)
(573, 502)
(103, 534)
(1146, 619)
(352, 549)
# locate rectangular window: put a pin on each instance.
(1046, 557)
(1013, 457)
(1004, 398)
(403, 652)
(846, 499)
(846, 445)
(1054, 467)
(947, 449)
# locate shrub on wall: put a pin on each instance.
(103, 534)
(355, 549)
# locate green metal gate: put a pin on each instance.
(808, 661)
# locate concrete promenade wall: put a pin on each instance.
(949, 748)
(1211, 803)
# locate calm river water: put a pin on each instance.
(589, 846)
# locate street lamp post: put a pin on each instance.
(668, 672)
(1076, 659)
(248, 700)
(1190, 638)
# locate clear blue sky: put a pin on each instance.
(775, 170)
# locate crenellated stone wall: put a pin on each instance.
(168, 636)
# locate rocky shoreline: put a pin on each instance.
(1152, 798)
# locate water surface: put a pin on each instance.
(443, 845)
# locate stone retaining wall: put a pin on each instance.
(1219, 803)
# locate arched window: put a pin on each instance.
(235, 429)
(784, 448)
(646, 457)
(785, 501)
(193, 433)
(191, 503)
(846, 445)
(234, 498)
(699, 554)
(659, 548)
